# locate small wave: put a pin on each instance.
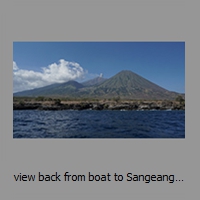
(101, 124)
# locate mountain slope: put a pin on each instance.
(94, 81)
(125, 84)
(58, 89)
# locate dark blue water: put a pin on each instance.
(98, 124)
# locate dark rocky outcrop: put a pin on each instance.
(150, 105)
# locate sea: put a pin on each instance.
(98, 124)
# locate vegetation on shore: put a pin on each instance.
(115, 103)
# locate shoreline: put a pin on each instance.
(123, 106)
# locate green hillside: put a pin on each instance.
(125, 84)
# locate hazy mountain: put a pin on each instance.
(58, 89)
(125, 84)
(94, 81)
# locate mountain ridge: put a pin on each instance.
(125, 84)
(95, 81)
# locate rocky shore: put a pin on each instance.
(141, 105)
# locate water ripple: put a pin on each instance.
(98, 124)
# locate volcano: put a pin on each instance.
(126, 85)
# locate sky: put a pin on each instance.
(37, 64)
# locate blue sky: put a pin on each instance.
(36, 64)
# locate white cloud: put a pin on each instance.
(54, 73)
(15, 66)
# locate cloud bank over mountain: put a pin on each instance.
(54, 73)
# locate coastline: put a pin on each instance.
(80, 105)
